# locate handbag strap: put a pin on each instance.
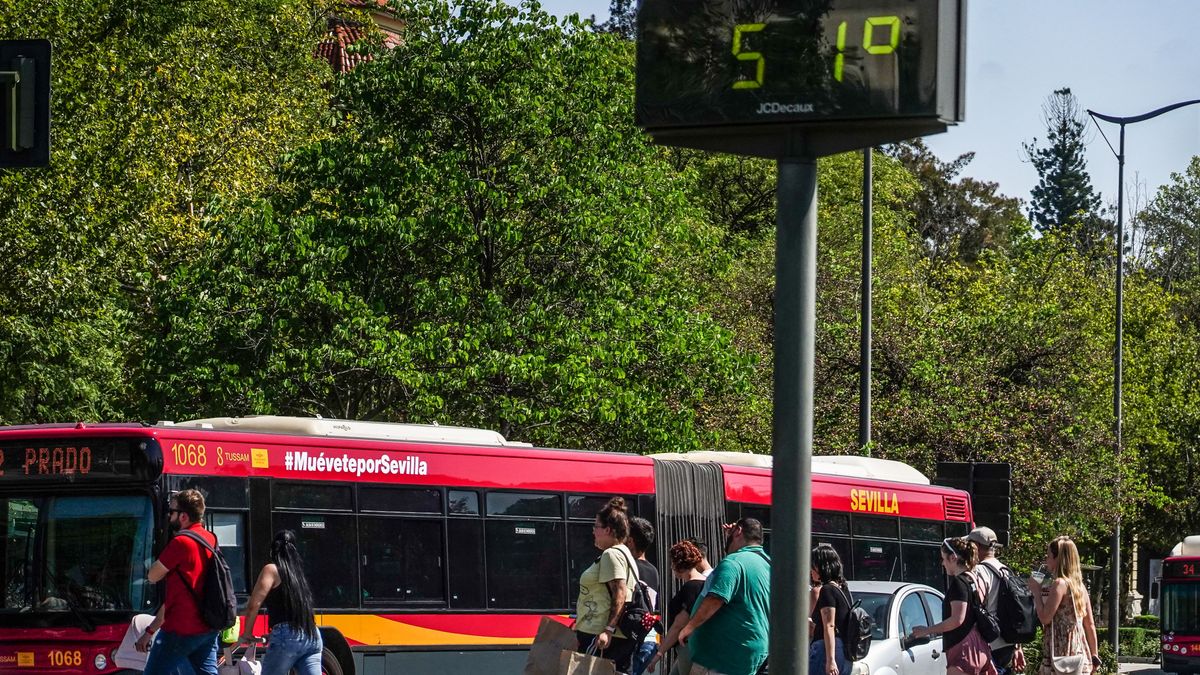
(632, 563)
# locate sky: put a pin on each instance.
(1119, 57)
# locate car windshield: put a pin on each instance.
(1181, 607)
(71, 553)
(875, 604)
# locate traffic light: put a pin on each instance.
(24, 103)
(990, 485)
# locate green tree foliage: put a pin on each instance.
(501, 249)
(1063, 200)
(157, 107)
(1172, 229)
(958, 218)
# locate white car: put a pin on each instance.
(898, 608)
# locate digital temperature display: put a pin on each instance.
(705, 63)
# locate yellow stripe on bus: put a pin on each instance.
(370, 629)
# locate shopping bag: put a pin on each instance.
(574, 663)
(247, 664)
(127, 655)
(552, 638)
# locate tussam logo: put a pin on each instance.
(772, 108)
(385, 465)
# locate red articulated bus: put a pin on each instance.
(429, 548)
(1179, 606)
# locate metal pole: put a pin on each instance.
(864, 347)
(1114, 602)
(792, 420)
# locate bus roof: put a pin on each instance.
(333, 428)
(1190, 546)
(830, 465)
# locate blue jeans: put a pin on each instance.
(642, 656)
(816, 658)
(287, 648)
(172, 654)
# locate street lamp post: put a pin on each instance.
(1114, 602)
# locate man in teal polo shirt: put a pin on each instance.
(728, 632)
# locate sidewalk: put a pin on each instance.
(1139, 668)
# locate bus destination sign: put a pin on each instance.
(74, 460)
(1181, 569)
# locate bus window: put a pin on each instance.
(464, 503)
(581, 553)
(922, 530)
(587, 506)
(524, 564)
(873, 526)
(70, 553)
(324, 496)
(230, 493)
(466, 563)
(524, 505)
(401, 560)
(923, 564)
(826, 522)
(876, 560)
(327, 545)
(957, 528)
(1180, 606)
(760, 513)
(230, 529)
(399, 500)
(842, 546)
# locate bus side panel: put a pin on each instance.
(441, 662)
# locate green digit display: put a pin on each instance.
(760, 68)
(839, 61)
(869, 34)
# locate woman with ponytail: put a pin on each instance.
(1064, 609)
(966, 651)
(282, 587)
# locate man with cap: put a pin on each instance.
(1006, 656)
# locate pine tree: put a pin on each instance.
(1063, 200)
(622, 19)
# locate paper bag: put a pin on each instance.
(552, 638)
(574, 663)
(127, 655)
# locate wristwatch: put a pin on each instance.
(610, 629)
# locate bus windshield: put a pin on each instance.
(71, 553)
(1181, 607)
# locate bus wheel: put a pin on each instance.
(329, 663)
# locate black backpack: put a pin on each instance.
(637, 616)
(856, 631)
(985, 621)
(1014, 607)
(217, 603)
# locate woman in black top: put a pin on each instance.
(685, 560)
(830, 601)
(966, 651)
(295, 643)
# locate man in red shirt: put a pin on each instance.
(178, 639)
